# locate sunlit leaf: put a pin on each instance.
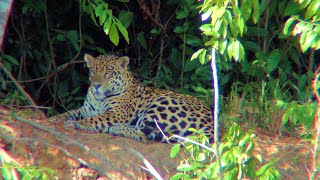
(288, 26)
(263, 169)
(107, 25)
(202, 56)
(175, 150)
(230, 49)
(307, 39)
(312, 9)
(223, 46)
(185, 167)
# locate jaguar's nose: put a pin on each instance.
(96, 86)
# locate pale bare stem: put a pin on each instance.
(216, 110)
(149, 167)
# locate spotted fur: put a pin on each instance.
(117, 103)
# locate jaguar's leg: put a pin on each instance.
(70, 115)
(129, 131)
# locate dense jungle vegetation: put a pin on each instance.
(266, 54)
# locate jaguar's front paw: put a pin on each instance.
(69, 124)
(55, 118)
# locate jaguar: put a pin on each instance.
(117, 103)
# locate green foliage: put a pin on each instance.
(237, 158)
(26, 172)
(8, 169)
(111, 25)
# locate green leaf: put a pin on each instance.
(202, 56)
(192, 40)
(292, 8)
(126, 18)
(236, 50)
(179, 29)
(263, 169)
(6, 173)
(98, 10)
(185, 167)
(142, 40)
(256, 11)
(246, 9)
(107, 25)
(103, 17)
(252, 46)
(201, 157)
(273, 60)
(175, 150)
(234, 29)
(223, 46)
(92, 16)
(221, 10)
(11, 59)
(206, 28)
(312, 9)
(307, 39)
(182, 14)
(230, 48)
(178, 176)
(73, 35)
(123, 31)
(241, 26)
(75, 90)
(304, 3)
(206, 14)
(196, 54)
(191, 65)
(61, 37)
(114, 36)
(288, 26)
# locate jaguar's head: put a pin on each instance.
(108, 75)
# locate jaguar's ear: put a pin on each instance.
(123, 62)
(89, 59)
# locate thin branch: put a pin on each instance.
(25, 94)
(59, 69)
